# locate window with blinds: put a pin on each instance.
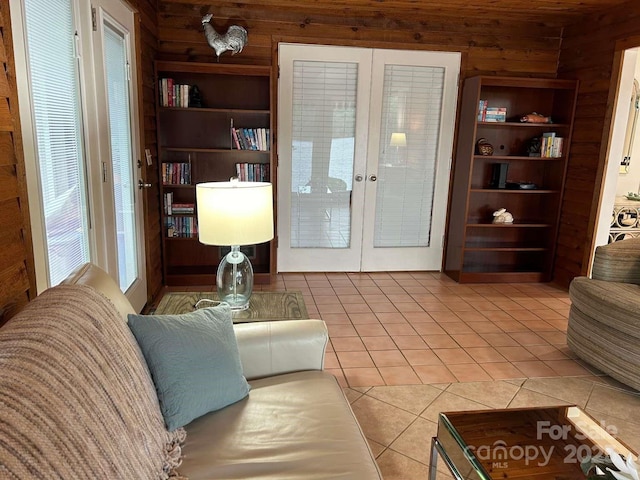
(56, 110)
(120, 127)
(323, 148)
(409, 135)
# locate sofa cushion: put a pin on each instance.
(194, 361)
(76, 397)
(292, 426)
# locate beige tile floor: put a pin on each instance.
(406, 346)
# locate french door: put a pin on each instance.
(365, 143)
(78, 108)
(116, 105)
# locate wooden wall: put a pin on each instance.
(588, 54)
(17, 279)
(147, 34)
(505, 47)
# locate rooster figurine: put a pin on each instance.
(234, 39)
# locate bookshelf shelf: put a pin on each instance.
(216, 150)
(200, 137)
(478, 250)
(218, 110)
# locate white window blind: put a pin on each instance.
(324, 107)
(56, 106)
(121, 161)
(410, 127)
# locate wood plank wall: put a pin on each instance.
(147, 33)
(588, 51)
(17, 279)
(504, 47)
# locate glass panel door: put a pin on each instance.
(364, 152)
(322, 150)
(414, 96)
(117, 137)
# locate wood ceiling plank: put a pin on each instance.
(565, 10)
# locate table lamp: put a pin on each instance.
(233, 214)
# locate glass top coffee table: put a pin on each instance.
(545, 443)
(263, 306)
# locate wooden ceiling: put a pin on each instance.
(556, 12)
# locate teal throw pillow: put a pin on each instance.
(194, 361)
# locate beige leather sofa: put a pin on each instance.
(295, 423)
(604, 320)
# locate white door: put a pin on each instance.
(412, 121)
(118, 144)
(364, 153)
(322, 145)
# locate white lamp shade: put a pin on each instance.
(398, 139)
(234, 213)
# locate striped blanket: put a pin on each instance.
(76, 397)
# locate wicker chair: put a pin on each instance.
(604, 320)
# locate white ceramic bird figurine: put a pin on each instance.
(234, 39)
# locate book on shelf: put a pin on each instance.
(491, 114)
(551, 145)
(171, 208)
(495, 114)
(252, 172)
(176, 173)
(168, 203)
(250, 138)
(173, 94)
(180, 226)
(482, 110)
(183, 208)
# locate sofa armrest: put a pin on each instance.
(94, 276)
(273, 348)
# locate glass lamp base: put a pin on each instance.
(235, 279)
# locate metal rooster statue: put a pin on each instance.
(234, 39)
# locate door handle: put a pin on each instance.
(142, 185)
(372, 178)
(358, 178)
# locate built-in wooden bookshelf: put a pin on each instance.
(522, 251)
(196, 144)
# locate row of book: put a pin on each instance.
(172, 208)
(251, 138)
(181, 226)
(173, 94)
(491, 114)
(176, 173)
(550, 145)
(252, 172)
